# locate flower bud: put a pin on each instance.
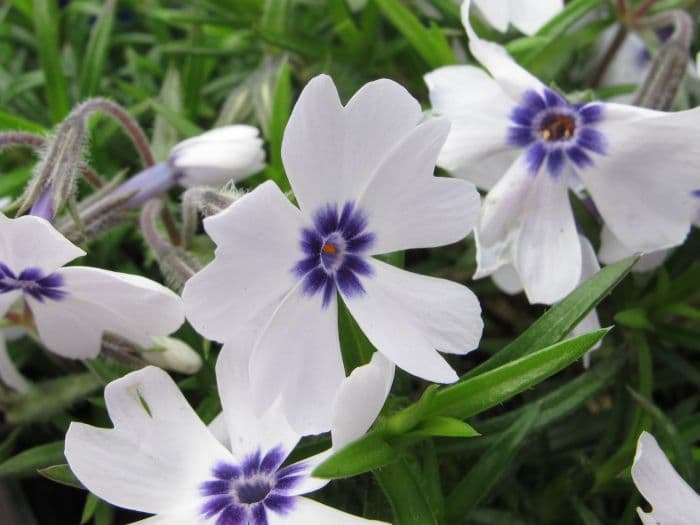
(219, 155)
(172, 354)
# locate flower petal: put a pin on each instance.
(529, 17)
(407, 206)
(98, 301)
(496, 13)
(359, 400)
(330, 152)
(512, 78)
(297, 356)
(247, 429)
(646, 211)
(183, 516)
(9, 375)
(507, 279)
(256, 236)
(673, 500)
(31, 242)
(612, 250)
(155, 457)
(476, 148)
(410, 317)
(548, 252)
(307, 511)
(590, 323)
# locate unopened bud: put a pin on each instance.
(173, 354)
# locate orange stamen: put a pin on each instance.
(329, 249)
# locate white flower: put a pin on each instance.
(363, 177)
(673, 501)
(173, 354)
(630, 65)
(525, 15)
(613, 250)
(72, 307)
(508, 280)
(161, 459)
(218, 156)
(528, 145)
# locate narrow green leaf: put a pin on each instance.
(13, 122)
(93, 66)
(51, 397)
(46, 21)
(61, 474)
(186, 127)
(26, 464)
(281, 110)
(482, 477)
(570, 15)
(91, 504)
(430, 44)
(440, 426)
(472, 396)
(354, 345)
(370, 453)
(405, 495)
(563, 317)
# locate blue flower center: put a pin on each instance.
(32, 282)
(554, 132)
(334, 252)
(244, 494)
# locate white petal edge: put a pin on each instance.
(673, 501)
(99, 300)
(297, 356)
(9, 374)
(407, 206)
(152, 461)
(529, 16)
(590, 323)
(257, 241)
(331, 151)
(247, 429)
(309, 512)
(410, 317)
(32, 242)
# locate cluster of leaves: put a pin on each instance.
(546, 443)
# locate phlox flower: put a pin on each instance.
(673, 501)
(527, 146)
(161, 459)
(362, 175)
(525, 15)
(71, 307)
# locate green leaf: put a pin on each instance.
(441, 426)
(93, 66)
(186, 127)
(430, 44)
(91, 504)
(472, 396)
(367, 454)
(26, 464)
(13, 122)
(281, 110)
(50, 397)
(61, 474)
(405, 495)
(562, 318)
(482, 477)
(354, 345)
(570, 15)
(46, 27)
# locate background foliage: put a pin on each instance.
(551, 450)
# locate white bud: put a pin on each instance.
(219, 156)
(172, 354)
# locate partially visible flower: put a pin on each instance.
(71, 307)
(525, 15)
(214, 158)
(629, 66)
(613, 250)
(173, 354)
(161, 459)
(230, 153)
(363, 175)
(507, 279)
(673, 501)
(528, 145)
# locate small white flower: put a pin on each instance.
(673, 501)
(525, 15)
(363, 177)
(218, 156)
(173, 354)
(161, 459)
(71, 307)
(527, 145)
